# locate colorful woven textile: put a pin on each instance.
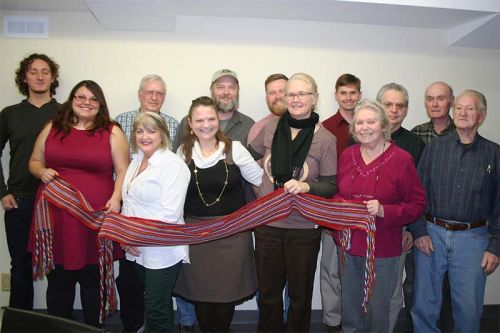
(338, 215)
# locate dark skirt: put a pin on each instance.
(219, 271)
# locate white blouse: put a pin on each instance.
(157, 193)
(249, 169)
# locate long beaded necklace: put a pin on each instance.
(201, 194)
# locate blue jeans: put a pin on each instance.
(185, 312)
(17, 228)
(461, 253)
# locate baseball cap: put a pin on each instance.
(224, 72)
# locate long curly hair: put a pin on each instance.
(189, 137)
(65, 118)
(24, 66)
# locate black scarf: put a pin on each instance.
(287, 156)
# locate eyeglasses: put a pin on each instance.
(301, 95)
(151, 93)
(399, 106)
(82, 99)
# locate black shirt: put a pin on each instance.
(20, 125)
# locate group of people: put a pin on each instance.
(436, 186)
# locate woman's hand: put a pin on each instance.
(131, 250)
(113, 205)
(48, 175)
(295, 187)
(375, 208)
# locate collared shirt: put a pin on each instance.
(258, 126)
(427, 132)
(157, 193)
(126, 121)
(462, 183)
(339, 127)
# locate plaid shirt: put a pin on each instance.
(126, 121)
(462, 183)
(427, 133)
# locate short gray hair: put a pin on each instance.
(379, 110)
(152, 77)
(481, 104)
(393, 86)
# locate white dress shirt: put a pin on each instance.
(157, 193)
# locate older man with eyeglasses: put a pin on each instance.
(152, 93)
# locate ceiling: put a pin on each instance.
(467, 23)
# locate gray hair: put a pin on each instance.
(152, 77)
(381, 116)
(481, 104)
(393, 86)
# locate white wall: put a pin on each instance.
(254, 49)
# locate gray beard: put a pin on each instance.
(229, 107)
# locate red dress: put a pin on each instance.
(85, 161)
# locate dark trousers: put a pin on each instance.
(158, 286)
(131, 292)
(283, 255)
(61, 292)
(214, 317)
(408, 287)
(17, 228)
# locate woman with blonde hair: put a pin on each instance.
(155, 188)
(299, 156)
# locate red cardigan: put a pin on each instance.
(392, 179)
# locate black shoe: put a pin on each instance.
(186, 329)
(333, 329)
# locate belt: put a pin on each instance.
(454, 226)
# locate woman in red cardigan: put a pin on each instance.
(381, 175)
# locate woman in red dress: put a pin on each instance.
(84, 146)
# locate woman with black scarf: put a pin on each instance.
(299, 155)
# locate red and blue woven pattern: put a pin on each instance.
(338, 215)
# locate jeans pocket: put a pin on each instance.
(479, 233)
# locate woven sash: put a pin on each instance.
(132, 231)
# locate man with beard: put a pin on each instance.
(347, 94)
(225, 91)
(275, 86)
(36, 78)
(235, 125)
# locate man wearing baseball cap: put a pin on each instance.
(225, 90)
